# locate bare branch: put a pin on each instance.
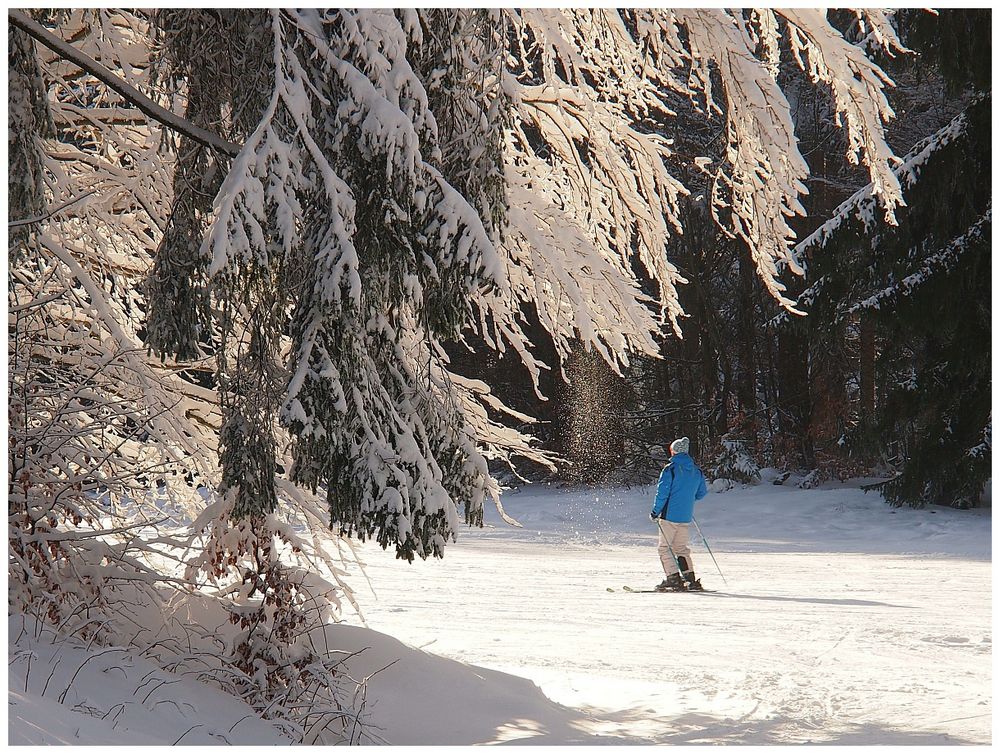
(130, 93)
(50, 213)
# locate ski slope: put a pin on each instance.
(843, 621)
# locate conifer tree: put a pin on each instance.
(925, 284)
(336, 226)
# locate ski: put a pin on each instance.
(632, 590)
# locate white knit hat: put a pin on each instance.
(680, 445)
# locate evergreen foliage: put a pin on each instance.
(925, 283)
(336, 228)
(734, 462)
(221, 84)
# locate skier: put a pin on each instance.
(681, 483)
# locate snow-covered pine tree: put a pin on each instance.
(926, 286)
(400, 261)
(336, 225)
(733, 462)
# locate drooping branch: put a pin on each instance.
(130, 93)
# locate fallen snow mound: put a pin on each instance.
(64, 691)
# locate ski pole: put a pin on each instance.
(709, 550)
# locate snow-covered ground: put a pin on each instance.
(843, 621)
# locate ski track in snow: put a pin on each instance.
(843, 621)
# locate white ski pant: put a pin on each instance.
(674, 536)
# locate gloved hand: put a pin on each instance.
(652, 516)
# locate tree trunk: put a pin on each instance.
(794, 393)
(746, 337)
(867, 367)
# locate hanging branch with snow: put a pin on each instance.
(404, 176)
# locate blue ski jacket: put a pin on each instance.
(681, 483)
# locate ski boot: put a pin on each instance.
(693, 584)
(673, 583)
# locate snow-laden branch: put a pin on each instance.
(753, 196)
(941, 260)
(588, 189)
(875, 31)
(52, 212)
(858, 86)
(22, 21)
(864, 203)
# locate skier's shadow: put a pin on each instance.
(814, 601)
